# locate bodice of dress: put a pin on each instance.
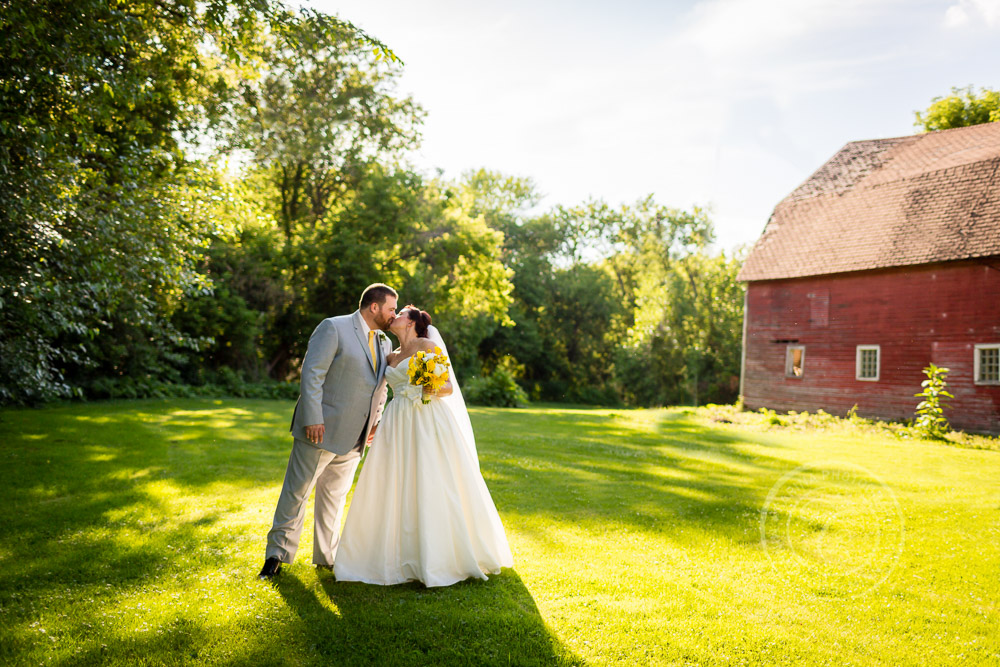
(397, 377)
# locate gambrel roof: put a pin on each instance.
(885, 203)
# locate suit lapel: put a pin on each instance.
(359, 329)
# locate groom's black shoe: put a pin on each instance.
(272, 566)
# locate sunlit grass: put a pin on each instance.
(133, 532)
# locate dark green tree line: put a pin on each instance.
(103, 217)
(187, 188)
(99, 222)
(611, 303)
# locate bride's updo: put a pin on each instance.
(420, 318)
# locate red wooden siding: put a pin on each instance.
(931, 313)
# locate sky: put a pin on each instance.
(723, 104)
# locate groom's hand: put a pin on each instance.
(371, 436)
(315, 433)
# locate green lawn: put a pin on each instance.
(132, 533)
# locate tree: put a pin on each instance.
(103, 217)
(392, 226)
(420, 236)
(322, 127)
(686, 343)
(452, 261)
(962, 108)
(322, 110)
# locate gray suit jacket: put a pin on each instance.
(339, 387)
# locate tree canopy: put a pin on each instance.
(962, 108)
(187, 188)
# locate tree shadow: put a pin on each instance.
(77, 481)
(77, 484)
(493, 622)
(109, 500)
(183, 643)
(595, 467)
(104, 500)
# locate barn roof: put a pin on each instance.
(888, 202)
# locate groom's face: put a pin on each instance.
(385, 313)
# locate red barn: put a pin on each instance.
(884, 260)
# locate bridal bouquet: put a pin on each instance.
(428, 369)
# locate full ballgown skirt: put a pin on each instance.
(421, 510)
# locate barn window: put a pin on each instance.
(795, 356)
(987, 364)
(867, 363)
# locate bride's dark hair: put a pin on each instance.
(420, 318)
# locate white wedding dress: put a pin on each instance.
(421, 510)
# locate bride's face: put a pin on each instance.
(401, 323)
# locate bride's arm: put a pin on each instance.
(445, 390)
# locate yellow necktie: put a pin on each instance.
(371, 346)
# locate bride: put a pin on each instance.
(421, 510)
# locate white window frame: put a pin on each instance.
(977, 356)
(789, 357)
(857, 362)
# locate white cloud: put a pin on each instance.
(779, 46)
(728, 29)
(966, 12)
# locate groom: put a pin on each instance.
(340, 401)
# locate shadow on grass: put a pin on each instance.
(100, 500)
(109, 500)
(84, 476)
(596, 467)
(184, 641)
(93, 493)
(494, 622)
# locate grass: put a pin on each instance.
(133, 532)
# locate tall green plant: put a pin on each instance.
(931, 422)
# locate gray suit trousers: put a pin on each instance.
(331, 474)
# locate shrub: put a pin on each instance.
(606, 395)
(498, 389)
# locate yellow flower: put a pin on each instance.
(428, 370)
